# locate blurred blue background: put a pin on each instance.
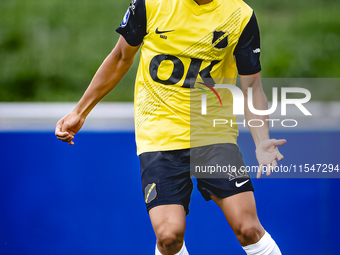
(87, 199)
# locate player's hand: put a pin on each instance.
(68, 126)
(267, 153)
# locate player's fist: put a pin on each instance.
(267, 153)
(68, 126)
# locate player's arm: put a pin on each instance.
(247, 55)
(259, 102)
(109, 74)
(132, 31)
(107, 77)
(266, 148)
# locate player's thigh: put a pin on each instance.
(229, 176)
(240, 212)
(166, 178)
(168, 221)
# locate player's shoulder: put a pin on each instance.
(137, 6)
(158, 8)
(245, 8)
(246, 12)
(153, 2)
(154, 5)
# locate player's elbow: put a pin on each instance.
(253, 87)
(124, 59)
(120, 58)
(251, 81)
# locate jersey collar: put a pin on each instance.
(200, 9)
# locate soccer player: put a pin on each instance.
(185, 42)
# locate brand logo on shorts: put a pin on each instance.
(150, 192)
(238, 185)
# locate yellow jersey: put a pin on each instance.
(186, 49)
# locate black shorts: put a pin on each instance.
(166, 175)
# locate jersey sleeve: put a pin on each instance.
(133, 26)
(247, 51)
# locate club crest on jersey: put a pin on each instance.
(150, 192)
(220, 40)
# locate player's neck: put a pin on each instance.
(201, 2)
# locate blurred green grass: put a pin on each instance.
(50, 49)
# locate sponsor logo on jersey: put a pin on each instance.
(220, 40)
(150, 192)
